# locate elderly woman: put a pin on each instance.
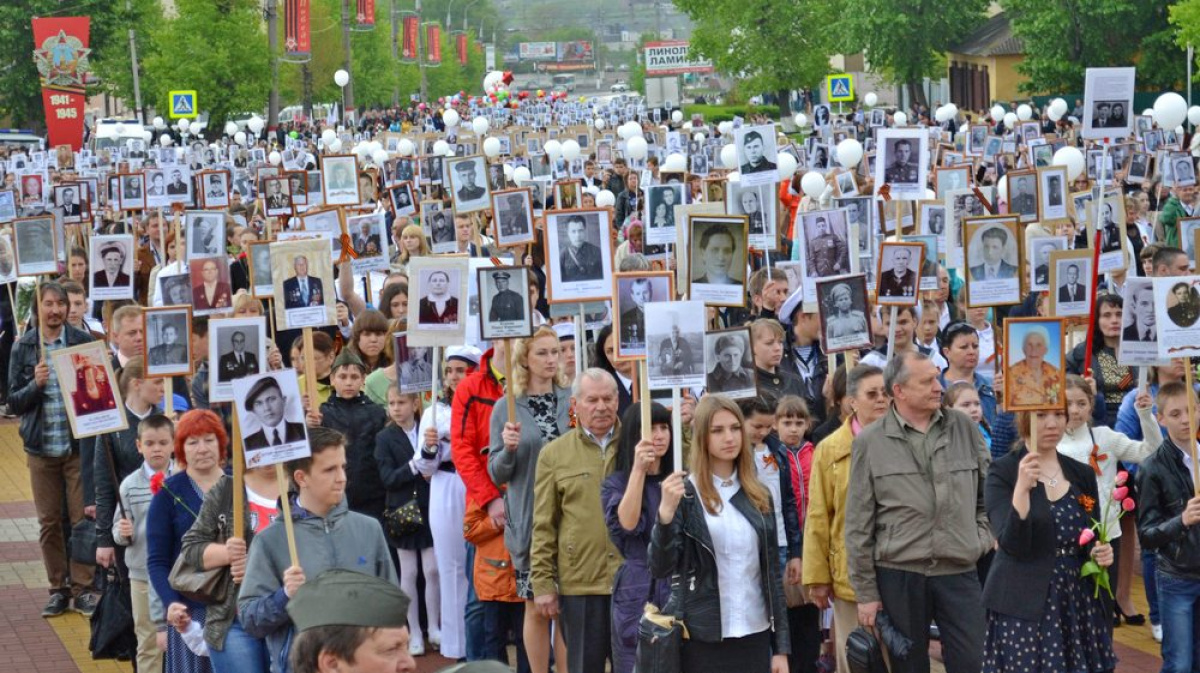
(439, 306)
(1033, 380)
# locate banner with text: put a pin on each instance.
(60, 51)
(433, 44)
(365, 16)
(671, 58)
(297, 16)
(410, 33)
(538, 51)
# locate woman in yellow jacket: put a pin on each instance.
(824, 567)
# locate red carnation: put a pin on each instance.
(156, 482)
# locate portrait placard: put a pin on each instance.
(1023, 194)
(825, 247)
(756, 205)
(1038, 255)
(168, 333)
(729, 363)
(1052, 194)
(339, 181)
(513, 217)
(214, 189)
(323, 223)
(1139, 325)
(1071, 282)
(8, 260)
(717, 259)
(133, 191)
(1176, 312)
(845, 313)
(951, 178)
(111, 261)
(212, 287)
(302, 273)
(368, 236)
(1113, 239)
(929, 261)
(204, 233)
(566, 195)
(660, 213)
(259, 261)
(468, 184)
(37, 245)
(1034, 364)
(8, 205)
(674, 343)
(237, 347)
(71, 200)
(1108, 103)
(402, 199)
(271, 414)
(578, 256)
(437, 222)
(175, 289)
(437, 308)
(960, 205)
(898, 279)
(993, 257)
(756, 155)
(504, 311)
(414, 365)
(277, 197)
(902, 163)
(632, 292)
(89, 389)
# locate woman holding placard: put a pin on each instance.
(541, 401)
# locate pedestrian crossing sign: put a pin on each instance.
(183, 104)
(839, 88)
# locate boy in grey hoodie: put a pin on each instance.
(328, 535)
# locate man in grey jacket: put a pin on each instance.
(328, 535)
(916, 523)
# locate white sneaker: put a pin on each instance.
(435, 640)
(1156, 631)
(416, 648)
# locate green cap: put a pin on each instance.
(346, 598)
(347, 357)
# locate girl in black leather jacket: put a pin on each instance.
(715, 537)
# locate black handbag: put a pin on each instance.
(661, 632)
(406, 519)
(864, 653)
(112, 626)
(83, 542)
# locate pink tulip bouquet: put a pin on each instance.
(1101, 531)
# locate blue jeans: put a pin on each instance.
(1149, 579)
(1178, 603)
(243, 653)
(499, 618)
(474, 618)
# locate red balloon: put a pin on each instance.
(507, 78)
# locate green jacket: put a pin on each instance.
(1168, 219)
(571, 553)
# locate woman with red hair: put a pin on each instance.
(200, 445)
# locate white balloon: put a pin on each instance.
(159, 123)
(147, 135)
(1002, 188)
(440, 147)
(1194, 115)
(1054, 113)
(165, 140)
(734, 176)
(1024, 112)
(508, 171)
(801, 120)
(929, 194)
(952, 110)
(255, 124)
(786, 165)
(1010, 121)
(379, 156)
(341, 78)
(240, 137)
(553, 149)
(274, 157)
(520, 175)
(336, 146)
(849, 153)
(599, 124)
(1170, 110)
(677, 116)
(812, 184)
(491, 147)
(184, 125)
(451, 118)
(1059, 104)
(729, 157)
(605, 199)
(636, 148)
(870, 99)
(900, 119)
(480, 125)
(1072, 158)
(687, 127)
(675, 162)
(231, 128)
(1179, 130)
(405, 147)
(698, 137)
(997, 113)
(328, 136)
(570, 150)
(724, 128)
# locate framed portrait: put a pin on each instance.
(825, 247)
(468, 184)
(566, 195)
(513, 217)
(1177, 310)
(132, 191)
(717, 254)
(111, 265)
(32, 190)
(993, 258)
(660, 213)
(1139, 168)
(1183, 171)
(71, 200)
(1034, 364)
(1108, 103)
(168, 331)
(237, 348)
(756, 154)
(504, 308)
(302, 273)
(578, 256)
(156, 188)
(1139, 324)
(898, 275)
(298, 188)
(271, 414)
(1071, 279)
(8, 266)
(437, 308)
(673, 346)
(1039, 250)
(844, 184)
(259, 262)
(1023, 194)
(976, 139)
(845, 313)
(214, 189)
(714, 190)
(632, 292)
(205, 233)
(368, 237)
(414, 365)
(437, 222)
(1041, 155)
(8, 205)
(37, 245)
(277, 197)
(402, 199)
(931, 218)
(903, 163)
(698, 164)
(756, 204)
(1188, 235)
(326, 223)
(179, 185)
(496, 179)
(729, 363)
(212, 287)
(1052, 201)
(340, 180)
(1111, 223)
(960, 205)
(929, 260)
(90, 392)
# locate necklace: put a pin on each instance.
(1053, 481)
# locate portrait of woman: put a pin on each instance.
(439, 306)
(93, 391)
(1036, 379)
(717, 247)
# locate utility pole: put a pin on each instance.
(348, 90)
(395, 54)
(423, 34)
(273, 44)
(133, 60)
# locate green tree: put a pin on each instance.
(769, 45)
(905, 40)
(1064, 38)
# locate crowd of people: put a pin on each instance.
(886, 487)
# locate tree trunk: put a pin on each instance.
(916, 94)
(785, 110)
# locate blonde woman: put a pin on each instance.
(411, 244)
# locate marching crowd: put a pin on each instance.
(888, 488)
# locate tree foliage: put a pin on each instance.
(1064, 38)
(905, 40)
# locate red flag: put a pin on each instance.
(296, 24)
(410, 34)
(366, 13)
(461, 44)
(60, 51)
(433, 44)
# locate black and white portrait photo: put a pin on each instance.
(977, 139)
(168, 340)
(438, 224)
(260, 269)
(1111, 228)
(36, 245)
(8, 205)
(634, 290)
(468, 184)
(437, 308)
(992, 259)
(674, 343)
(1139, 331)
(1182, 169)
(403, 200)
(205, 233)
(755, 204)
(902, 163)
(175, 289)
(495, 178)
(579, 256)
(821, 116)
(844, 313)
(1070, 282)
(947, 179)
(156, 189)
(340, 183)
(8, 260)
(1022, 195)
(513, 210)
(1138, 169)
(111, 265)
(1108, 102)
(933, 219)
(237, 347)
(699, 164)
(71, 202)
(504, 303)
(414, 366)
(272, 418)
(717, 259)
(215, 189)
(825, 247)
(660, 213)
(1052, 197)
(1177, 312)
(756, 154)
(133, 191)
(729, 363)
(1040, 249)
(898, 280)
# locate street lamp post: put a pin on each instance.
(469, 6)
(342, 78)
(449, 7)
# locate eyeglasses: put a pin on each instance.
(955, 329)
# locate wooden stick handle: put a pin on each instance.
(239, 479)
(281, 479)
(643, 374)
(1191, 398)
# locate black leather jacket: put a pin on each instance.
(686, 543)
(1165, 486)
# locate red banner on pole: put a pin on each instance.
(433, 44)
(410, 37)
(297, 19)
(60, 50)
(461, 44)
(366, 13)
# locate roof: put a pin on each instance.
(993, 38)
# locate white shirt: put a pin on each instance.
(739, 576)
(1112, 447)
(987, 351)
(768, 474)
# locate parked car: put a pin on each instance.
(619, 87)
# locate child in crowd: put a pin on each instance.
(927, 326)
(323, 355)
(156, 444)
(495, 583)
(962, 396)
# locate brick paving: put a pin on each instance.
(29, 643)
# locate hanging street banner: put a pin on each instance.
(365, 16)
(60, 51)
(671, 58)
(296, 34)
(433, 44)
(460, 44)
(410, 37)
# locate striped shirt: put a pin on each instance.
(56, 430)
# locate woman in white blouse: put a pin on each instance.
(716, 534)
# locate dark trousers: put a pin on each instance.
(749, 654)
(954, 602)
(500, 621)
(804, 629)
(587, 628)
(474, 615)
